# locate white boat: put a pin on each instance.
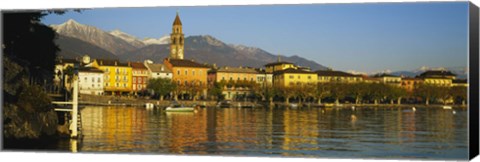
(176, 107)
(179, 109)
(447, 107)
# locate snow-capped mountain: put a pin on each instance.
(129, 38)
(161, 40)
(93, 35)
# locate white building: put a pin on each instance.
(158, 70)
(90, 81)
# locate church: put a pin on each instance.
(190, 76)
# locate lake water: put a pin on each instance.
(382, 133)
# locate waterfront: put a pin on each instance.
(431, 133)
(385, 133)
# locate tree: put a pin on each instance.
(376, 92)
(27, 39)
(216, 90)
(459, 93)
(323, 90)
(426, 92)
(161, 86)
(396, 93)
(286, 92)
(443, 93)
(358, 91)
(338, 91)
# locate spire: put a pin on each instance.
(279, 58)
(177, 20)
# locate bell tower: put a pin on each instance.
(176, 39)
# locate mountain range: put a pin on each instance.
(77, 39)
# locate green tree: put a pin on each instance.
(377, 91)
(443, 93)
(161, 86)
(396, 93)
(216, 91)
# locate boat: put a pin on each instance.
(224, 104)
(175, 107)
(447, 107)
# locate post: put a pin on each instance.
(74, 123)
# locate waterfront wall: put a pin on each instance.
(85, 99)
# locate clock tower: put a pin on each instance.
(176, 39)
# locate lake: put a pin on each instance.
(366, 132)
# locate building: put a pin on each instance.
(264, 78)
(62, 68)
(330, 76)
(389, 79)
(187, 73)
(367, 79)
(117, 76)
(409, 84)
(244, 75)
(293, 77)
(90, 81)
(232, 74)
(279, 66)
(158, 70)
(140, 75)
(438, 77)
(177, 39)
(460, 82)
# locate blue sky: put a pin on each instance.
(366, 37)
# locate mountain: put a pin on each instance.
(74, 48)
(207, 49)
(161, 40)
(128, 38)
(94, 36)
(77, 40)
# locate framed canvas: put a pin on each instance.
(274, 81)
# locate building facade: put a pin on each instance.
(177, 39)
(330, 76)
(117, 76)
(389, 79)
(90, 81)
(140, 75)
(158, 71)
(293, 77)
(409, 84)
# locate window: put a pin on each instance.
(124, 85)
(193, 72)
(134, 79)
(186, 82)
(98, 79)
(200, 72)
(178, 72)
(117, 85)
(291, 76)
(139, 80)
(309, 77)
(186, 72)
(159, 74)
(93, 79)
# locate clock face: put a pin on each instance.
(180, 50)
(173, 50)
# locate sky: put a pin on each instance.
(362, 37)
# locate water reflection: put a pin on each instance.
(361, 132)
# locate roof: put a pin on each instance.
(157, 68)
(418, 79)
(278, 63)
(89, 69)
(71, 61)
(459, 81)
(437, 73)
(334, 73)
(384, 75)
(177, 20)
(138, 65)
(103, 62)
(235, 70)
(292, 70)
(186, 63)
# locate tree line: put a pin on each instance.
(357, 93)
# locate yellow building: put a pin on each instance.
(187, 73)
(330, 76)
(118, 76)
(460, 82)
(438, 77)
(409, 84)
(294, 77)
(389, 79)
(235, 75)
(278, 66)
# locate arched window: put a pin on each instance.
(174, 40)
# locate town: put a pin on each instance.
(176, 78)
